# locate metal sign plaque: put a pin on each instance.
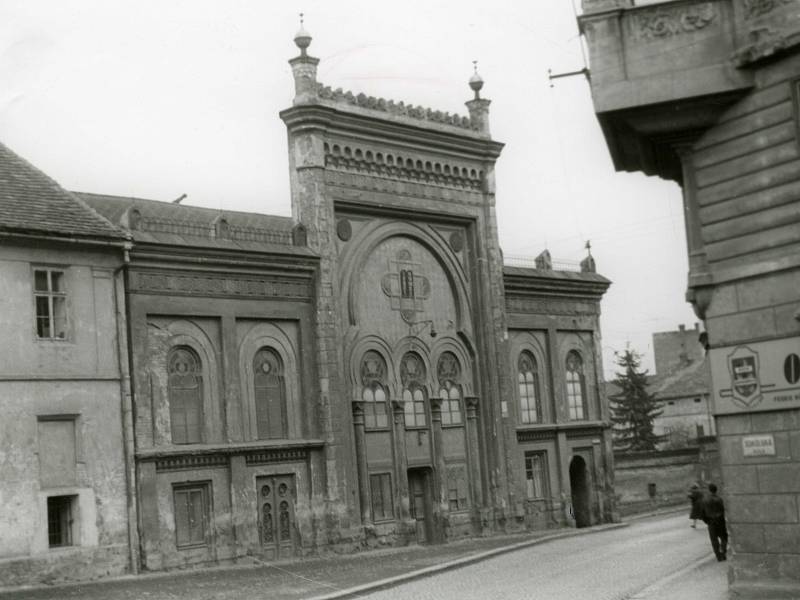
(758, 445)
(756, 377)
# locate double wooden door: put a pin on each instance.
(276, 518)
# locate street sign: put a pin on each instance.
(756, 377)
(758, 445)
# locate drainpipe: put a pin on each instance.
(127, 414)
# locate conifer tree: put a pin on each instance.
(633, 409)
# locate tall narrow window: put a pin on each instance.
(536, 475)
(60, 520)
(448, 372)
(412, 376)
(528, 382)
(51, 304)
(373, 380)
(185, 389)
(576, 392)
(269, 387)
(191, 515)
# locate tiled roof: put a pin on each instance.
(167, 223)
(31, 202)
(689, 380)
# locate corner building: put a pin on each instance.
(707, 94)
(366, 372)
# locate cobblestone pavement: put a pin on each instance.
(653, 559)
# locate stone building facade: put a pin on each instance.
(366, 372)
(705, 93)
(63, 479)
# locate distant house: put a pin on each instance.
(682, 384)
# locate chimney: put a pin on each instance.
(681, 327)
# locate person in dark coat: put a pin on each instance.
(696, 498)
(714, 516)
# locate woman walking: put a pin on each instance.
(696, 498)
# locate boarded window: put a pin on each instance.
(381, 489)
(50, 297)
(191, 515)
(57, 451)
(185, 386)
(270, 394)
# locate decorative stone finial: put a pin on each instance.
(302, 38)
(476, 81)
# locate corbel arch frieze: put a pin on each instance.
(272, 336)
(450, 343)
(363, 244)
(356, 352)
(185, 333)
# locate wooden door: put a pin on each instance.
(419, 488)
(276, 519)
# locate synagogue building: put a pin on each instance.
(366, 372)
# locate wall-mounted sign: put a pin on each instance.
(756, 377)
(758, 445)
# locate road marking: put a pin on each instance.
(658, 585)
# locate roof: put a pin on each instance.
(32, 203)
(690, 380)
(168, 223)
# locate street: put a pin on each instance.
(653, 559)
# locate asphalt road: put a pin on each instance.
(653, 559)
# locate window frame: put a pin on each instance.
(447, 401)
(534, 384)
(200, 400)
(544, 475)
(51, 296)
(204, 487)
(580, 381)
(280, 378)
(70, 502)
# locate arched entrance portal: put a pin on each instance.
(579, 484)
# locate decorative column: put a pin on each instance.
(441, 510)
(401, 460)
(473, 458)
(361, 463)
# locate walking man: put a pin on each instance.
(714, 516)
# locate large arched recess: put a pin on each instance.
(359, 249)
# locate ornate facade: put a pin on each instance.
(366, 372)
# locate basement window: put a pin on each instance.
(61, 521)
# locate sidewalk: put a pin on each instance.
(347, 576)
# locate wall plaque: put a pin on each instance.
(758, 445)
(756, 377)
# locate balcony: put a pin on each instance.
(663, 72)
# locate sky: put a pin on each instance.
(155, 99)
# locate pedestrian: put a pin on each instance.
(696, 499)
(714, 515)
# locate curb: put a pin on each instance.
(656, 513)
(382, 584)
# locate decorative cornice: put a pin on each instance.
(584, 432)
(395, 108)
(187, 462)
(392, 166)
(665, 21)
(535, 435)
(398, 187)
(227, 286)
(276, 455)
(756, 8)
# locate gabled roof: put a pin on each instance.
(32, 203)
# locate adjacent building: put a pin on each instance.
(66, 507)
(706, 94)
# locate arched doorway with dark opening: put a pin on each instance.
(579, 485)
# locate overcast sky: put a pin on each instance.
(159, 98)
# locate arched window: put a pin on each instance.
(373, 380)
(269, 387)
(576, 392)
(185, 392)
(528, 381)
(448, 372)
(412, 376)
